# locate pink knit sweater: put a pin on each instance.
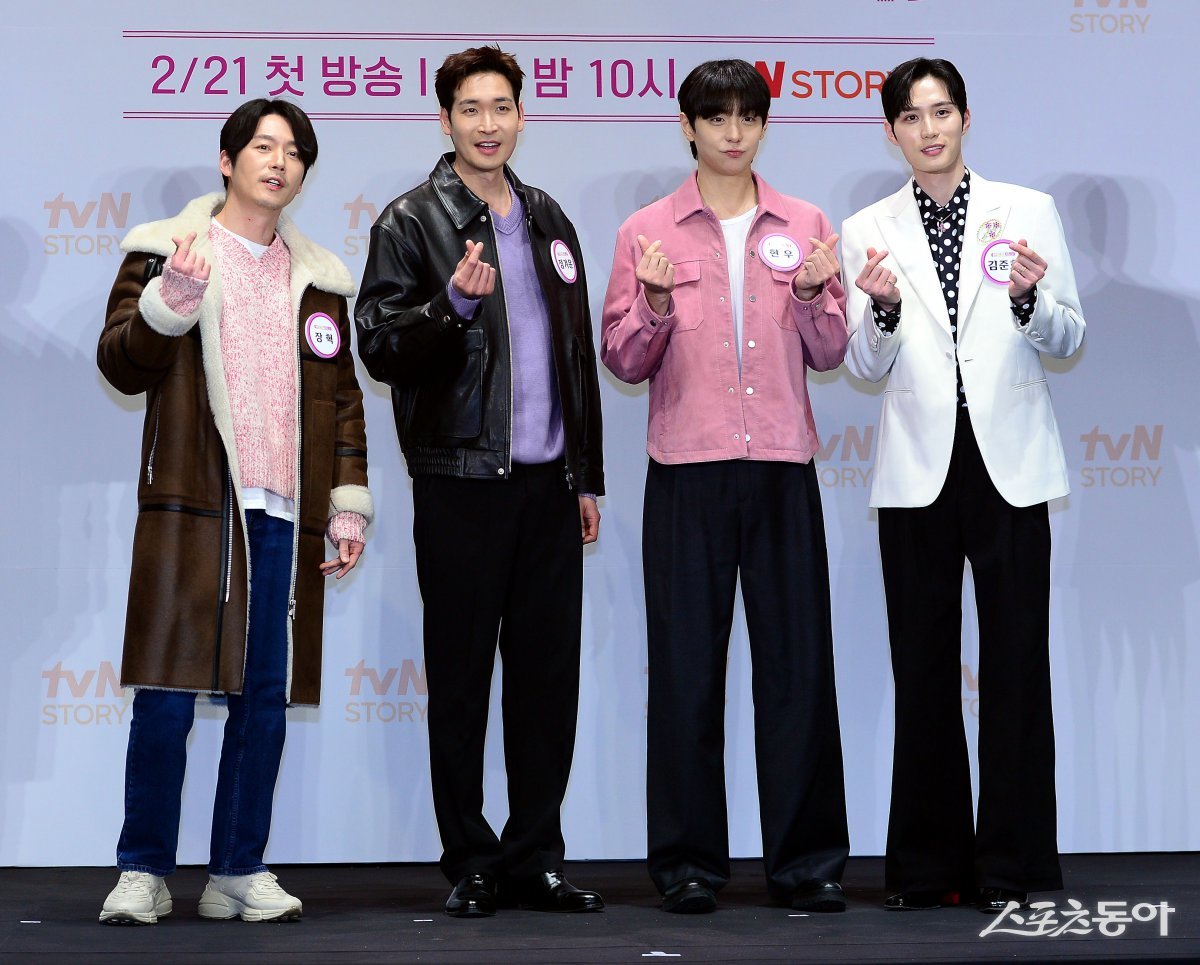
(258, 353)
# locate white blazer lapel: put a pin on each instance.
(986, 204)
(904, 237)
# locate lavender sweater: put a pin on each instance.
(537, 428)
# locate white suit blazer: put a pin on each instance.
(1001, 362)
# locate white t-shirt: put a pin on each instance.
(736, 231)
(253, 247)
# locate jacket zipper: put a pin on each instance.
(154, 442)
(296, 503)
(226, 571)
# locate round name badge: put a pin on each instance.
(780, 251)
(564, 261)
(997, 260)
(322, 334)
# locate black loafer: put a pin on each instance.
(692, 896)
(819, 896)
(992, 901)
(919, 900)
(550, 891)
(473, 897)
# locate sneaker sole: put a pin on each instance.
(276, 917)
(231, 911)
(124, 917)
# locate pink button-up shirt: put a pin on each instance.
(700, 409)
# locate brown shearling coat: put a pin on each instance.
(189, 585)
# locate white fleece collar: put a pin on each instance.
(322, 268)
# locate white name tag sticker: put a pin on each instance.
(322, 334)
(781, 251)
(997, 260)
(564, 261)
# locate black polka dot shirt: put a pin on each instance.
(944, 228)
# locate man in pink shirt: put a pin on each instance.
(723, 294)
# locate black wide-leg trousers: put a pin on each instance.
(500, 561)
(704, 523)
(933, 841)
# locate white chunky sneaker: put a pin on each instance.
(255, 897)
(138, 899)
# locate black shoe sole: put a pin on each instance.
(471, 911)
(692, 905)
(554, 909)
(821, 905)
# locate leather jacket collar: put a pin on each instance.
(460, 202)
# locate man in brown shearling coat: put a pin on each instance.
(254, 449)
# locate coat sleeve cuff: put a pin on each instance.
(352, 499)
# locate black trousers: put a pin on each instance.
(933, 841)
(703, 523)
(500, 560)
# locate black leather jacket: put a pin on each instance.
(451, 377)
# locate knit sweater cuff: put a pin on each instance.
(181, 293)
(351, 526)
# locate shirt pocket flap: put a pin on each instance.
(686, 272)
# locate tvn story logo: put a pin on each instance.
(820, 83)
(1122, 460)
(361, 215)
(844, 461)
(389, 695)
(84, 698)
(79, 227)
(1110, 17)
(970, 690)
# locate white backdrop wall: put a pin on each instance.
(112, 115)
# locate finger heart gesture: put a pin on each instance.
(820, 265)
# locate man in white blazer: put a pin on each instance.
(960, 285)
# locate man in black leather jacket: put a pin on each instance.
(474, 310)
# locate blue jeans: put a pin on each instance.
(253, 743)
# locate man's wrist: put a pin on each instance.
(659, 302)
(807, 294)
(465, 306)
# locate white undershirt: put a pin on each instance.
(253, 247)
(737, 231)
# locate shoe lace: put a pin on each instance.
(133, 884)
(266, 885)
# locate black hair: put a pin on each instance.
(896, 93)
(475, 60)
(239, 129)
(723, 87)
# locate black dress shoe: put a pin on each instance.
(473, 897)
(692, 896)
(920, 900)
(550, 891)
(992, 901)
(819, 896)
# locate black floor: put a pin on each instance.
(392, 913)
